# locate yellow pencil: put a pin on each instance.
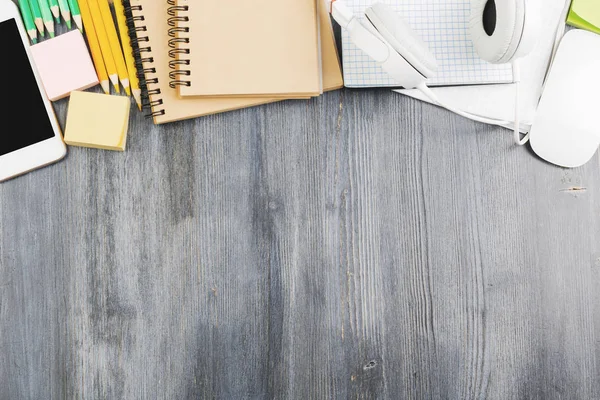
(92, 39)
(128, 52)
(109, 60)
(115, 45)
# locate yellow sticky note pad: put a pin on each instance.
(97, 120)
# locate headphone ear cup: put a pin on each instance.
(531, 30)
(502, 30)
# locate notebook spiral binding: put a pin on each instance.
(142, 57)
(177, 27)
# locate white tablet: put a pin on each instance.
(30, 135)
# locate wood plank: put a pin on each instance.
(359, 245)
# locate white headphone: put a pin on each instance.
(502, 31)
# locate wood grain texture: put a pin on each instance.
(360, 245)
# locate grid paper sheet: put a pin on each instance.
(444, 26)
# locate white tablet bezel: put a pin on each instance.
(42, 153)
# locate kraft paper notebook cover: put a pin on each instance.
(252, 48)
(150, 21)
(330, 59)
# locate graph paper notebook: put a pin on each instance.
(150, 22)
(257, 48)
(444, 26)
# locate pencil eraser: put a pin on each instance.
(97, 120)
(64, 64)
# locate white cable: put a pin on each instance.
(498, 122)
(427, 92)
(560, 31)
(517, 132)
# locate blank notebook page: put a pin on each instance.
(444, 26)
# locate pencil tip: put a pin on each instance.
(51, 34)
(126, 86)
(105, 86)
(34, 41)
(68, 24)
(115, 81)
(137, 95)
(78, 21)
(40, 26)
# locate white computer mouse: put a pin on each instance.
(566, 127)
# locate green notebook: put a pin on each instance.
(585, 14)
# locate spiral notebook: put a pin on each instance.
(258, 48)
(151, 26)
(444, 26)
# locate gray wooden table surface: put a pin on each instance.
(359, 245)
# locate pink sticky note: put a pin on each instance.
(64, 64)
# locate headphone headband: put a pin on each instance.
(367, 38)
(501, 30)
